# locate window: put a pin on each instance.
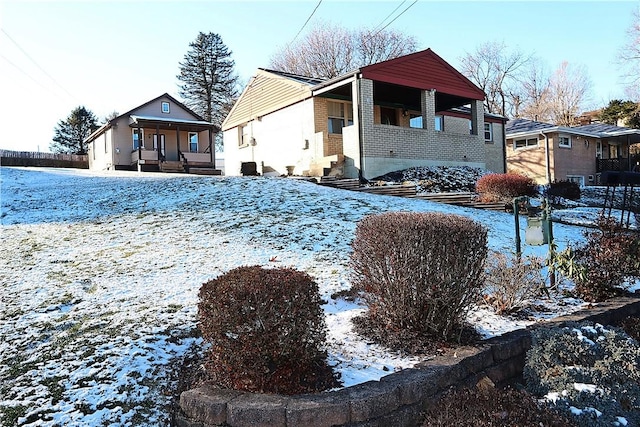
(193, 142)
(488, 131)
(244, 135)
(339, 115)
(388, 116)
(438, 122)
(415, 121)
(165, 107)
(138, 139)
(564, 141)
(599, 149)
(524, 143)
(578, 179)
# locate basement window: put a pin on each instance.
(524, 143)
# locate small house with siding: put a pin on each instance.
(415, 110)
(160, 135)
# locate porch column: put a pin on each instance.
(364, 91)
(212, 149)
(427, 107)
(477, 117)
(178, 142)
(158, 143)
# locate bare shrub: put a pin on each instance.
(419, 274)
(492, 407)
(504, 187)
(609, 257)
(267, 331)
(511, 282)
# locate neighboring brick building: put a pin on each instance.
(416, 110)
(548, 153)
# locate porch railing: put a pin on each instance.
(145, 155)
(621, 164)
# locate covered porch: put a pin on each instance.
(172, 145)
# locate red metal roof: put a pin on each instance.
(423, 70)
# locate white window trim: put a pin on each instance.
(560, 144)
(347, 115)
(164, 103)
(490, 139)
(141, 140)
(526, 144)
(241, 140)
(197, 141)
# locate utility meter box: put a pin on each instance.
(537, 232)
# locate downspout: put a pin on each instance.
(546, 155)
(504, 146)
(360, 130)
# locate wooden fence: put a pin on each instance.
(33, 158)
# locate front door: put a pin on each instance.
(155, 143)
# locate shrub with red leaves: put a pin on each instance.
(610, 255)
(418, 273)
(504, 187)
(267, 331)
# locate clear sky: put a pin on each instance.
(115, 55)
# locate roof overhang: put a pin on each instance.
(171, 123)
(552, 129)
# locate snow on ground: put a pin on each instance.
(100, 274)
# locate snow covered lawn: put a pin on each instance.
(100, 275)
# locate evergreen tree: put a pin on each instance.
(209, 81)
(626, 111)
(69, 134)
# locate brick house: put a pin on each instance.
(415, 110)
(548, 153)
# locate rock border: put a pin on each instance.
(398, 399)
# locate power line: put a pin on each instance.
(398, 16)
(307, 21)
(35, 63)
(387, 17)
(24, 72)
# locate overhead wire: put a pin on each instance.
(389, 15)
(24, 52)
(307, 21)
(397, 16)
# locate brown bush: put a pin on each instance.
(492, 407)
(610, 255)
(419, 274)
(267, 331)
(504, 187)
(511, 282)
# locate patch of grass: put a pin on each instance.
(9, 415)
(173, 308)
(55, 387)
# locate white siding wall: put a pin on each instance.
(279, 142)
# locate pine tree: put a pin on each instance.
(69, 134)
(209, 80)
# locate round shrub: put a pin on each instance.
(419, 273)
(563, 189)
(267, 331)
(504, 187)
(586, 369)
(610, 256)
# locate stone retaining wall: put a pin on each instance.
(397, 399)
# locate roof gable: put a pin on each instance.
(266, 92)
(158, 100)
(423, 70)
